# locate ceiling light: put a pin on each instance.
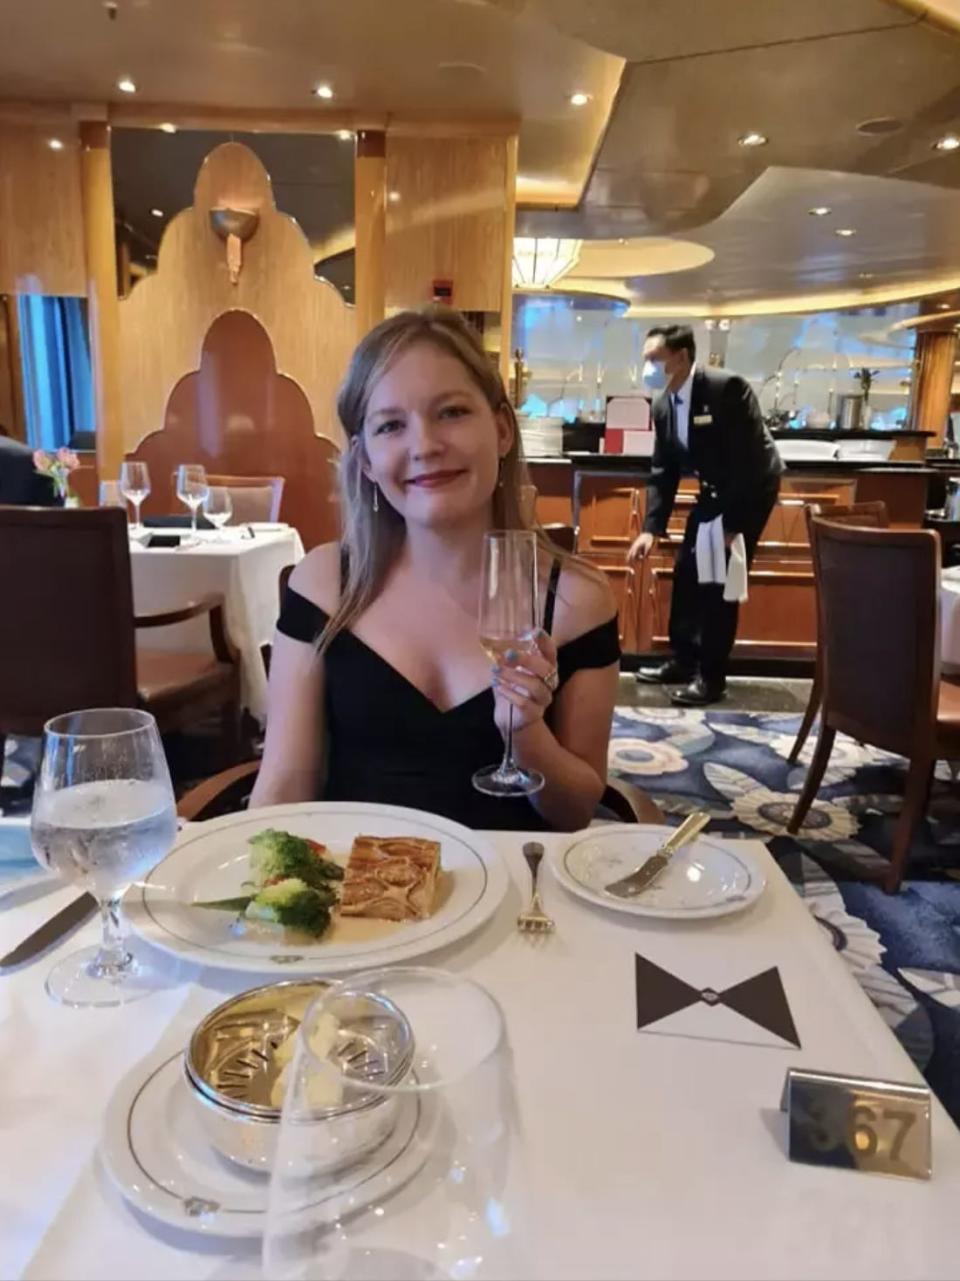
(344, 135)
(622, 240)
(943, 306)
(949, 142)
(539, 261)
(579, 99)
(322, 91)
(579, 318)
(819, 211)
(753, 140)
(54, 144)
(393, 197)
(864, 275)
(167, 127)
(845, 231)
(157, 213)
(126, 85)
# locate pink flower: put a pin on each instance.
(67, 458)
(41, 460)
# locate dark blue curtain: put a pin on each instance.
(57, 378)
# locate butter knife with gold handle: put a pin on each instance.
(640, 880)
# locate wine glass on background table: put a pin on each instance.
(111, 495)
(103, 815)
(192, 489)
(509, 621)
(218, 508)
(135, 487)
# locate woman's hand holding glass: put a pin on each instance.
(525, 681)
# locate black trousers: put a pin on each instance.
(703, 626)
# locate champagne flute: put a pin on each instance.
(103, 815)
(218, 508)
(192, 489)
(509, 620)
(135, 487)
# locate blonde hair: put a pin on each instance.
(371, 539)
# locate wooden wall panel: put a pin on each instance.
(238, 417)
(166, 318)
(447, 219)
(11, 374)
(41, 219)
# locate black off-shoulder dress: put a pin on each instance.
(386, 742)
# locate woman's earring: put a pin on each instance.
(500, 474)
(376, 497)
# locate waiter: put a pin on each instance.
(707, 424)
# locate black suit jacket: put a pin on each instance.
(730, 450)
(20, 484)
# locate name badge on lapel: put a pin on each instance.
(702, 420)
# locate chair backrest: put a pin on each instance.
(866, 515)
(254, 498)
(565, 536)
(66, 614)
(878, 610)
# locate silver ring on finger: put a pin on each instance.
(552, 680)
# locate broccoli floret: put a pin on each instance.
(293, 904)
(277, 856)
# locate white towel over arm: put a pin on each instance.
(712, 564)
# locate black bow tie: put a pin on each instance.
(760, 999)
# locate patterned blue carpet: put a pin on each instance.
(903, 949)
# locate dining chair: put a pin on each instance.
(254, 498)
(878, 613)
(68, 631)
(865, 515)
(564, 536)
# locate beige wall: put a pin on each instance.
(449, 219)
(41, 218)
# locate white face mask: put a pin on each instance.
(654, 375)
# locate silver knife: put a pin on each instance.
(644, 876)
(67, 919)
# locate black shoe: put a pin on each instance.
(669, 673)
(698, 693)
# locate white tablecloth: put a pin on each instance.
(245, 571)
(647, 1155)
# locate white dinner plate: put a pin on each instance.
(704, 879)
(210, 861)
(162, 1164)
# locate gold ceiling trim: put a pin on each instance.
(934, 13)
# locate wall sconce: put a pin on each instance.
(234, 226)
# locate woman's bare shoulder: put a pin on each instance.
(585, 599)
(317, 577)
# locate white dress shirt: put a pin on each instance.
(681, 408)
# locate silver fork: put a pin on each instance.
(534, 920)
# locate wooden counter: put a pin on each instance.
(604, 498)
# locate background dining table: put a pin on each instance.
(647, 1153)
(243, 565)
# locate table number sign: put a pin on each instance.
(879, 1127)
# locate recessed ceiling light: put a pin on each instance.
(54, 144)
(157, 213)
(579, 99)
(753, 140)
(845, 231)
(579, 318)
(322, 91)
(393, 197)
(943, 306)
(126, 85)
(880, 125)
(864, 275)
(622, 240)
(819, 211)
(344, 135)
(167, 127)
(949, 142)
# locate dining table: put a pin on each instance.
(242, 564)
(654, 1151)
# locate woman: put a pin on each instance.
(379, 689)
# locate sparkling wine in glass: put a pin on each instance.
(103, 816)
(509, 621)
(218, 507)
(192, 489)
(135, 487)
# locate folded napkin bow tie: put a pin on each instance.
(760, 999)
